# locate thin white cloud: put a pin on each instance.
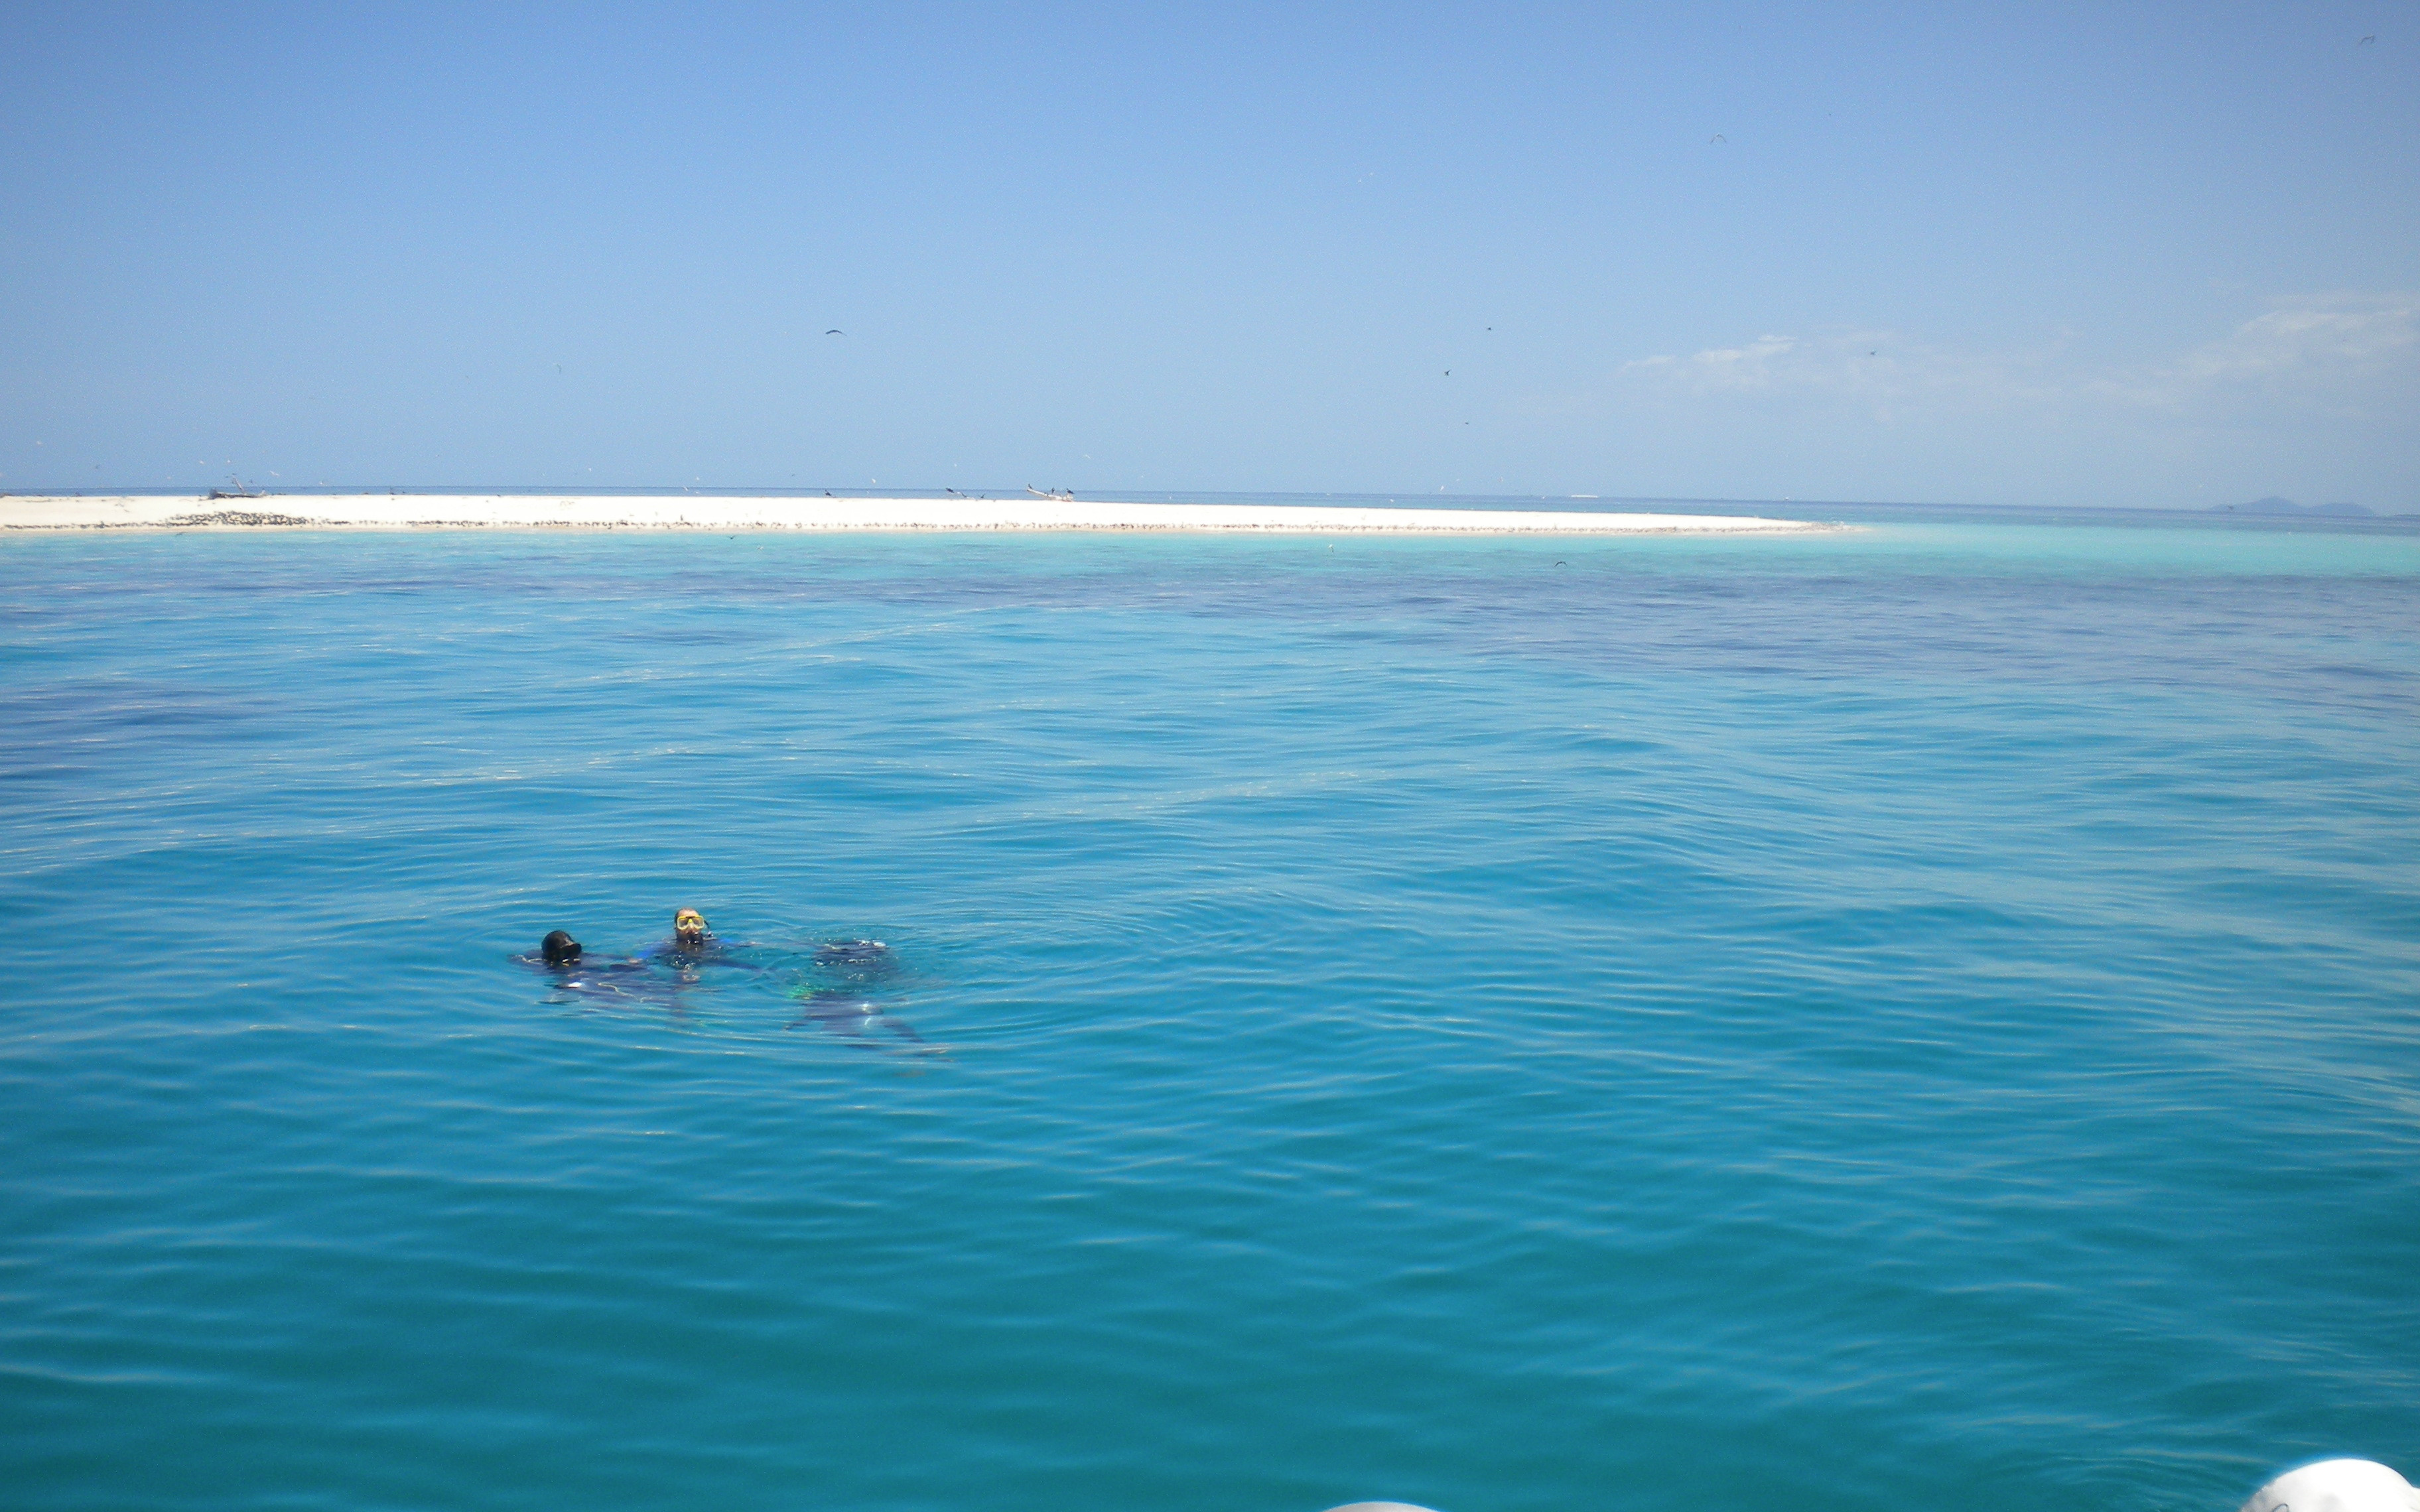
(1884, 372)
(2341, 351)
(2312, 348)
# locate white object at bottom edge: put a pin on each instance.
(2337, 1486)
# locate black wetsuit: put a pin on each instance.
(667, 973)
(627, 978)
(673, 952)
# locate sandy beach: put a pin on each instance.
(701, 513)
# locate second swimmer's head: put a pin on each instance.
(559, 948)
(689, 928)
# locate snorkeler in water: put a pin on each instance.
(845, 1008)
(566, 961)
(695, 950)
(691, 940)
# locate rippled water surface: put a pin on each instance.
(1920, 1017)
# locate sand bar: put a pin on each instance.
(387, 512)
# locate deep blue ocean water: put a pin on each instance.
(1914, 1018)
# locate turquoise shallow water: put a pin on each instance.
(1906, 1019)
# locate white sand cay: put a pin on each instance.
(705, 512)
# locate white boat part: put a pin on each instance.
(2337, 1486)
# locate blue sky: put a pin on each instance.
(1996, 254)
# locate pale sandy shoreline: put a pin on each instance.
(678, 512)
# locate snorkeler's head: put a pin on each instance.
(559, 948)
(689, 926)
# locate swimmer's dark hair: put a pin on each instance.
(559, 948)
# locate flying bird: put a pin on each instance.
(835, 332)
(2367, 40)
(1716, 137)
